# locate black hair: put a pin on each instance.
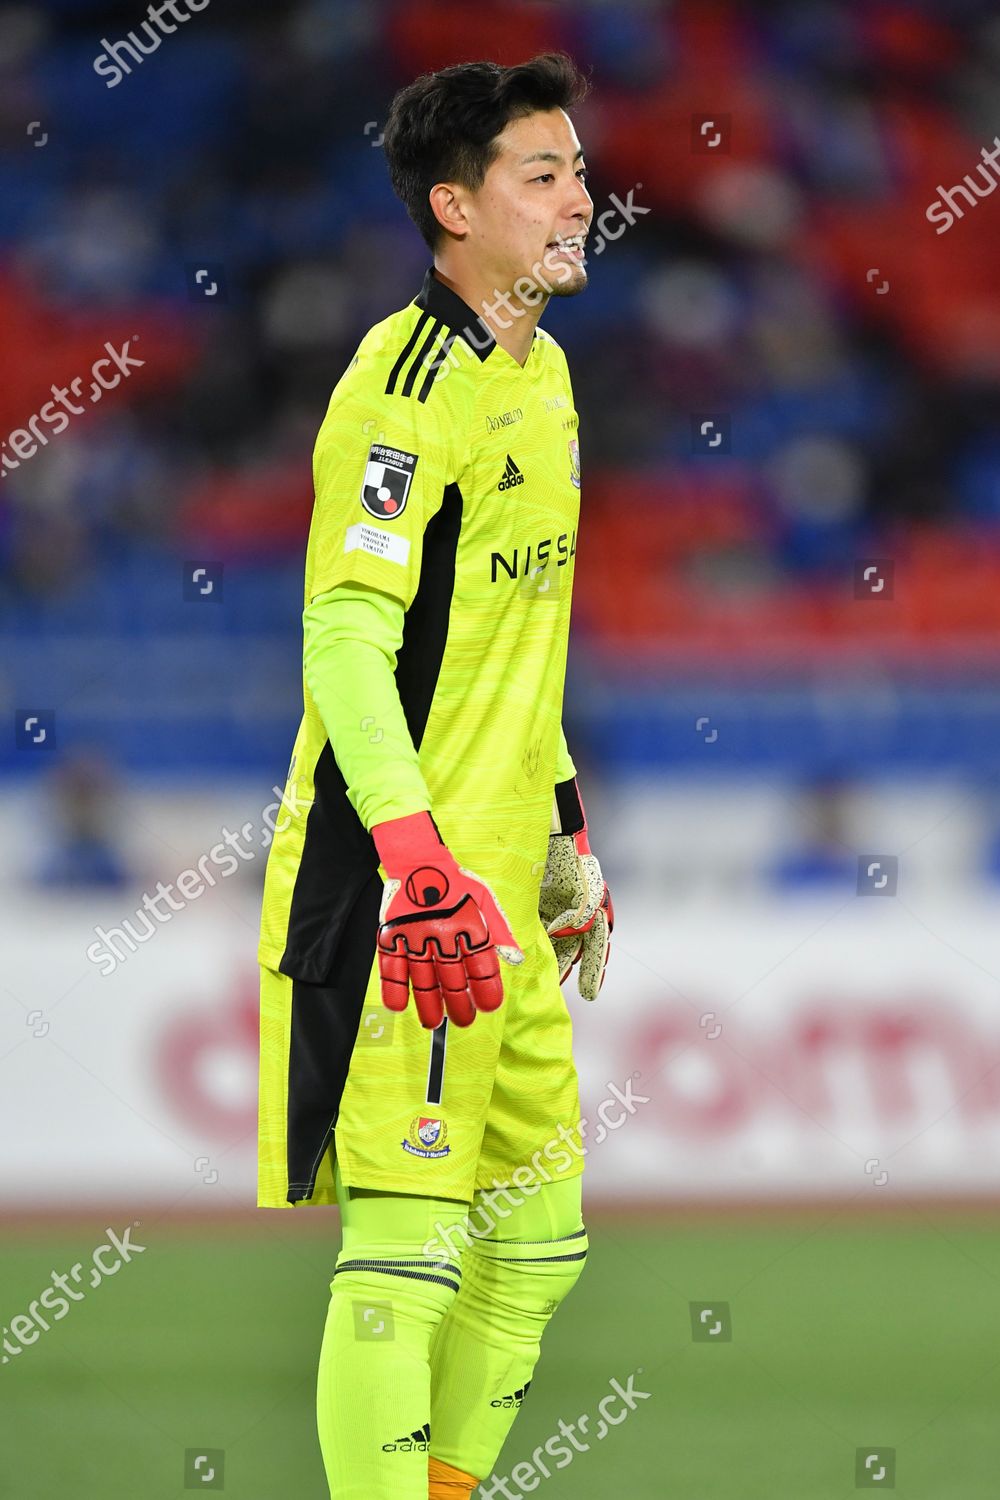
(443, 127)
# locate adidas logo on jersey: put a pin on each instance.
(514, 1399)
(511, 475)
(417, 1442)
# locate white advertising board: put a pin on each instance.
(827, 1046)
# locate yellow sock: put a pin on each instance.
(483, 1352)
(447, 1483)
(373, 1395)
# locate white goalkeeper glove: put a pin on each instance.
(574, 902)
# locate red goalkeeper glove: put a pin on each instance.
(440, 928)
(574, 902)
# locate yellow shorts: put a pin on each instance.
(440, 1113)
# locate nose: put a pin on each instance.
(583, 205)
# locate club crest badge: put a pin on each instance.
(427, 1137)
(574, 461)
(386, 485)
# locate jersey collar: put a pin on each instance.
(441, 302)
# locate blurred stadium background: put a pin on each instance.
(783, 702)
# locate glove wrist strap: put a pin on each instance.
(568, 815)
(405, 842)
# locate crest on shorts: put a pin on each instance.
(427, 1137)
(386, 485)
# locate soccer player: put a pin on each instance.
(433, 838)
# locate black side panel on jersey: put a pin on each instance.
(333, 919)
(425, 628)
(338, 859)
(325, 1020)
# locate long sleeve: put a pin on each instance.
(567, 809)
(351, 637)
(565, 769)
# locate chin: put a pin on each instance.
(577, 282)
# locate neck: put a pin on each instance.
(511, 321)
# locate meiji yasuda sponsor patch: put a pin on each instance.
(386, 485)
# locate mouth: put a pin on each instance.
(569, 247)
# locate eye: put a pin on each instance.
(547, 176)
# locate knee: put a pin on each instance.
(543, 1272)
(532, 1260)
(403, 1287)
(400, 1261)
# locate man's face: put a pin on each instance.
(534, 199)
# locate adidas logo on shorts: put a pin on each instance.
(417, 1442)
(511, 475)
(514, 1399)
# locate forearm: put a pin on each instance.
(565, 769)
(351, 637)
(567, 809)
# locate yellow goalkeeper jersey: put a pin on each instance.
(448, 476)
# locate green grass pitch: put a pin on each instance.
(847, 1333)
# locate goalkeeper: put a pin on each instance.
(438, 844)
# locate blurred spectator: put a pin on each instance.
(82, 846)
(823, 855)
